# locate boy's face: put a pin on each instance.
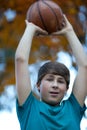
(52, 89)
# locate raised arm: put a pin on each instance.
(80, 84)
(23, 83)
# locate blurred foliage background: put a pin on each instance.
(12, 24)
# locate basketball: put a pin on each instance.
(47, 15)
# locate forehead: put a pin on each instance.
(53, 76)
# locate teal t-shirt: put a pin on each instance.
(37, 115)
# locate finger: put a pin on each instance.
(65, 17)
(66, 20)
(26, 22)
(57, 33)
(44, 33)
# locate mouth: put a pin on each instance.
(54, 93)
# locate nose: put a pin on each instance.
(55, 85)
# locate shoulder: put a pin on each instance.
(28, 101)
(75, 104)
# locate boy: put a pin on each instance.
(50, 112)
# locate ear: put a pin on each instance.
(38, 86)
(67, 87)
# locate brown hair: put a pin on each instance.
(54, 68)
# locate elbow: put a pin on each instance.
(19, 58)
(86, 67)
(85, 64)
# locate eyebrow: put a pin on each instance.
(52, 75)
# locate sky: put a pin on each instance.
(8, 120)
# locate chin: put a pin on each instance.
(53, 103)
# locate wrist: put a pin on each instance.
(30, 28)
(69, 33)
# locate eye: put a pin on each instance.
(61, 81)
(49, 79)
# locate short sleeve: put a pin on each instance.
(80, 110)
(24, 109)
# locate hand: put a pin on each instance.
(38, 31)
(68, 27)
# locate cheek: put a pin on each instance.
(43, 88)
(63, 89)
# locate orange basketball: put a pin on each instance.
(47, 15)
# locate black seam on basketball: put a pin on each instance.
(52, 12)
(42, 20)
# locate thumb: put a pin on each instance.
(40, 31)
